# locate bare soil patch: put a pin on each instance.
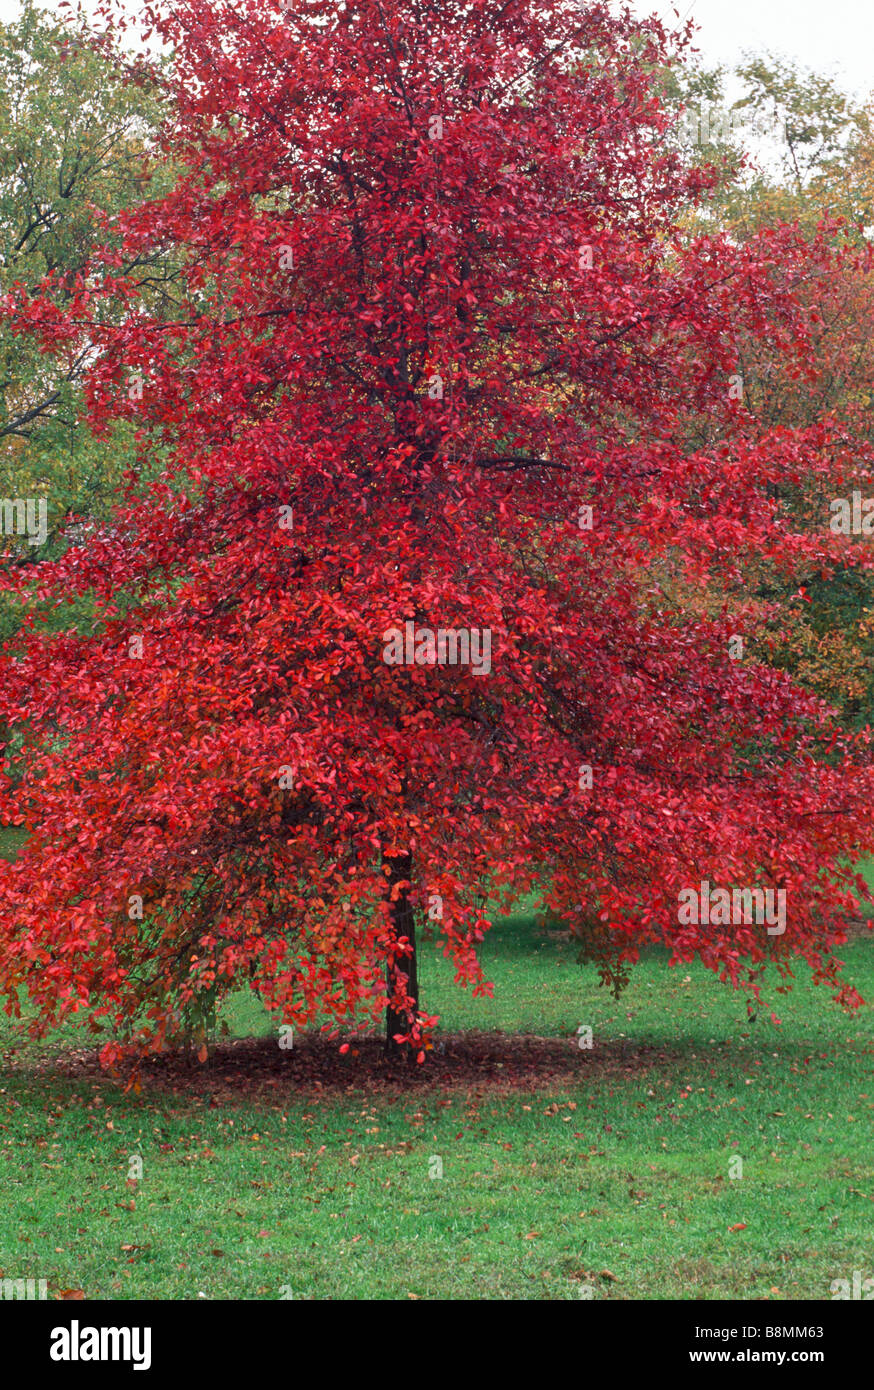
(458, 1062)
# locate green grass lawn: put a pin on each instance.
(606, 1176)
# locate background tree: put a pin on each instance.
(76, 122)
(75, 126)
(799, 156)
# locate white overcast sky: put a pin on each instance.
(833, 36)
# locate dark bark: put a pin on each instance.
(402, 923)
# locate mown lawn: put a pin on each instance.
(607, 1176)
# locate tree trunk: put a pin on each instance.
(401, 868)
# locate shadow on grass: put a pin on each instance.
(459, 1063)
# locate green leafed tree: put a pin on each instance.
(77, 121)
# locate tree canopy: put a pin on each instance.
(447, 373)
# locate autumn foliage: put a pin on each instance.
(436, 348)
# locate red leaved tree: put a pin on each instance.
(441, 436)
